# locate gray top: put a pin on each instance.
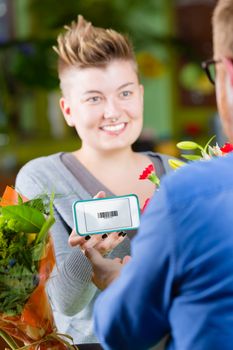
(70, 289)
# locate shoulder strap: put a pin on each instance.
(160, 162)
(158, 165)
(85, 178)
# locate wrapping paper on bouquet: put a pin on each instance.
(34, 325)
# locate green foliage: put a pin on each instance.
(13, 225)
(15, 288)
(96, 11)
(3, 245)
(20, 253)
(41, 204)
(26, 219)
(2, 222)
(17, 272)
(33, 64)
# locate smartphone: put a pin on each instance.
(109, 214)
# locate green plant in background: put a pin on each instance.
(192, 77)
(128, 16)
(28, 63)
(118, 14)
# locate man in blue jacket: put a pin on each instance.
(180, 277)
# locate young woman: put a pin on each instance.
(102, 99)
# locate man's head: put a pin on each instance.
(223, 54)
(85, 46)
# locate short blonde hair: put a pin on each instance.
(83, 46)
(223, 28)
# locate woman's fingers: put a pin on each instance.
(85, 241)
(92, 242)
(75, 240)
(107, 244)
(104, 243)
(100, 194)
(126, 259)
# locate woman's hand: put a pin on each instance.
(104, 243)
(105, 271)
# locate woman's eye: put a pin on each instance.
(126, 93)
(93, 99)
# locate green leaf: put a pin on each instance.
(48, 223)
(37, 251)
(154, 179)
(20, 199)
(175, 164)
(30, 219)
(187, 145)
(42, 235)
(38, 204)
(191, 156)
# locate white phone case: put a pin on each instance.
(110, 214)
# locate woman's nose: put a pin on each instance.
(112, 110)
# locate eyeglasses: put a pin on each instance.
(209, 68)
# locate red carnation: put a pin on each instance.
(147, 172)
(228, 147)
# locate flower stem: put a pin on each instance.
(206, 146)
(9, 340)
(154, 178)
(48, 223)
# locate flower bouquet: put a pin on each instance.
(26, 261)
(204, 153)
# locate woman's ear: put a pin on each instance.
(142, 89)
(229, 67)
(66, 111)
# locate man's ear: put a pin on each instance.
(66, 111)
(229, 67)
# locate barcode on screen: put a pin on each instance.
(107, 214)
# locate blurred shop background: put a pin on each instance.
(171, 38)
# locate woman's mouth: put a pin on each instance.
(113, 128)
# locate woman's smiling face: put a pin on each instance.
(105, 105)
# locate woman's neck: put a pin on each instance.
(91, 158)
(119, 171)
